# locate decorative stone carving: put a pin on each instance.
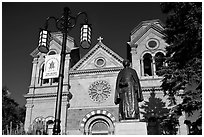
(99, 91)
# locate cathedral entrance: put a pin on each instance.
(99, 125)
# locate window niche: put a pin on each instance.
(159, 61)
(147, 62)
(151, 64)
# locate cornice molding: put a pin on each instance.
(149, 89)
(95, 71)
(43, 95)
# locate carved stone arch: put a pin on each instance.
(98, 116)
(39, 119)
(49, 118)
(49, 123)
(144, 52)
(52, 52)
(38, 125)
(162, 51)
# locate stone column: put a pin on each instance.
(28, 117)
(153, 66)
(142, 66)
(34, 72)
(133, 54)
(135, 60)
(66, 69)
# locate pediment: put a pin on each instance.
(151, 33)
(100, 57)
(144, 29)
(144, 24)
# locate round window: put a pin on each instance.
(152, 44)
(100, 62)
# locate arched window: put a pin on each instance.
(49, 127)
(147, 62)
(39, 126)
(159, 61)
(99, 127)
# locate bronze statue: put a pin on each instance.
(128, 93)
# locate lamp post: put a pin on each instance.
(64, 24)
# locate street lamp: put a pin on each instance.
(64, 24)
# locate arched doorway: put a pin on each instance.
(98, 122)
(99, 125)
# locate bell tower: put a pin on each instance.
(146, 45)
(41, 97)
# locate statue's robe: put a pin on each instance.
(128, 93)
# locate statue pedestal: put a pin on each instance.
(130, 127)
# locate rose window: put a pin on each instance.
(99, 91)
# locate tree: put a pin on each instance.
(154, 106)
(154, 111)
(169, 124)
(184, 55)
(12, 113)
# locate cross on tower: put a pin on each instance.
(100, 39)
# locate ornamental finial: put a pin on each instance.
(100, 39)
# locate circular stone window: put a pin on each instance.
(152, 44)
(100, 62)
(99, 91)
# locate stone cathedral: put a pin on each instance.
(91, 110)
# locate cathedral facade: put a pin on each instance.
(91, 110)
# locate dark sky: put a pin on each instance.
(21, 23)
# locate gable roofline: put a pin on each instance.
(147, 23)
(92, 51)
(153, 26)
(53, 37)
